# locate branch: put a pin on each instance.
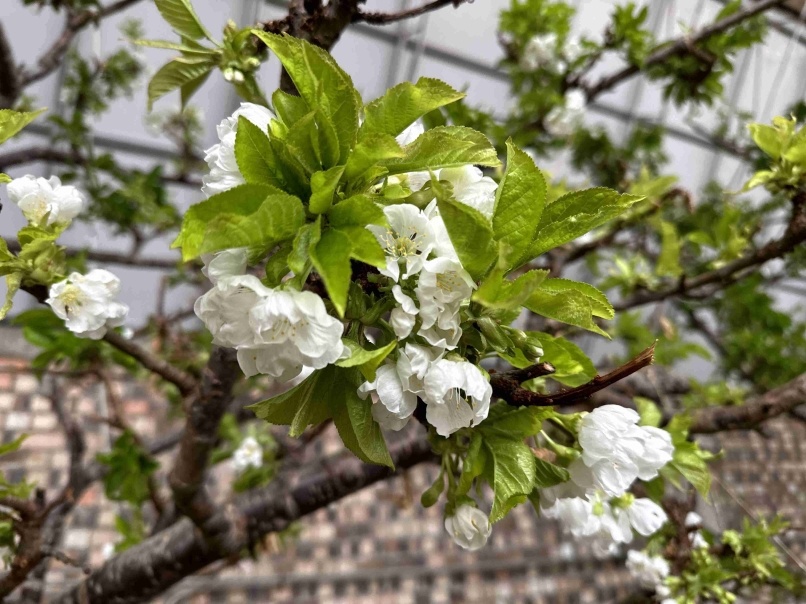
(109, 257)
(52, 58)
(185, 382)
(794, 235)
(506, 386)
(681, 45)
(149, 568)
(9, 76)
(755, 411)
(71, 158)
(386, 18)
(204, 414)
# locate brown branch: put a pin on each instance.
(386, 18)
(72, 158)
(131, 260)
(9, 75)
(794, 236)
(682, 45)
(149, 568)
(508, 388)
(52, 58)
(755, 411)
(204, 413)
(185, 382)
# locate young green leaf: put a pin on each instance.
(364, 246)
(445, 147)
(572, 367)
(470, 232)
(177, 73)
(13, 282)
(321, 83)
(575, 214)
(11, 122)
(331, 258)
(403, 104)
(498, 292)
(302, 406)
(254, 155)
(182, 18)
(569, 304)
(370, 150)
(300, 257)
(549, 475)
(600, 305)
(669, 258)
(323, 188)
(289, 107)
(358, 210)
(367, 361)
(513, 473)
(519, 203)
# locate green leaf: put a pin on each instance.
(516, 423)
(470, 232)
(321, 83)
(519, 204)
(364, 246)
(669, 258)
(513, 473)
(195, 49)
(549, 475)
(600, 305)
(277, 265)
(302, 406)
(14, 445)
(570, 302)
(371, 150)
(254, 155)
(128, 470)
(367, 361)
(690, 461)
(572, 367)
(246, 215)
(13, 282)
(323, 188)
(289, 107)
(4, 178)
(473, 465)
(353, 417)
(331, 258)
(403, 104)
(445, 147)
(177, 73)
(768, 139)
(431, 495)
(300, 256)
(575, 214)
(498, 292)
(188, 89)
(650, 413)
(11, 122)
(359, 210)
(182, 18)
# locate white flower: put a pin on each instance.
(87, 303)
(292, 331)
(108, 550)
(249, 454)
(398, 384)
(38, 198)
(443, 246)
(408, 239)
(227, 263)
(224, 173)
(617, 450)
(410, 134)
(693, 519)
(540, 51)
(574, 513)
(225, 309)
(403, 317)
(572, 50)
(650, 571)
(444, 386)
(562, 120)
(698, 541)
(471, 188)
(469, 527)
(645, 516)
(442, 288)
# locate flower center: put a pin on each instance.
(71, 296)
(401, 245)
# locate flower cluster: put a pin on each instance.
(46, 200)
(249, 454)
(615, 452)
(650, 572)
(87, 303)
(562, 120)
(430, 289)
(544, 51)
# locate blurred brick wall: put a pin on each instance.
(380, 546)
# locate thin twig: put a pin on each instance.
(386, 18)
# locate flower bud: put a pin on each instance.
(229, 74)
(469, 527)
(494, 333)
